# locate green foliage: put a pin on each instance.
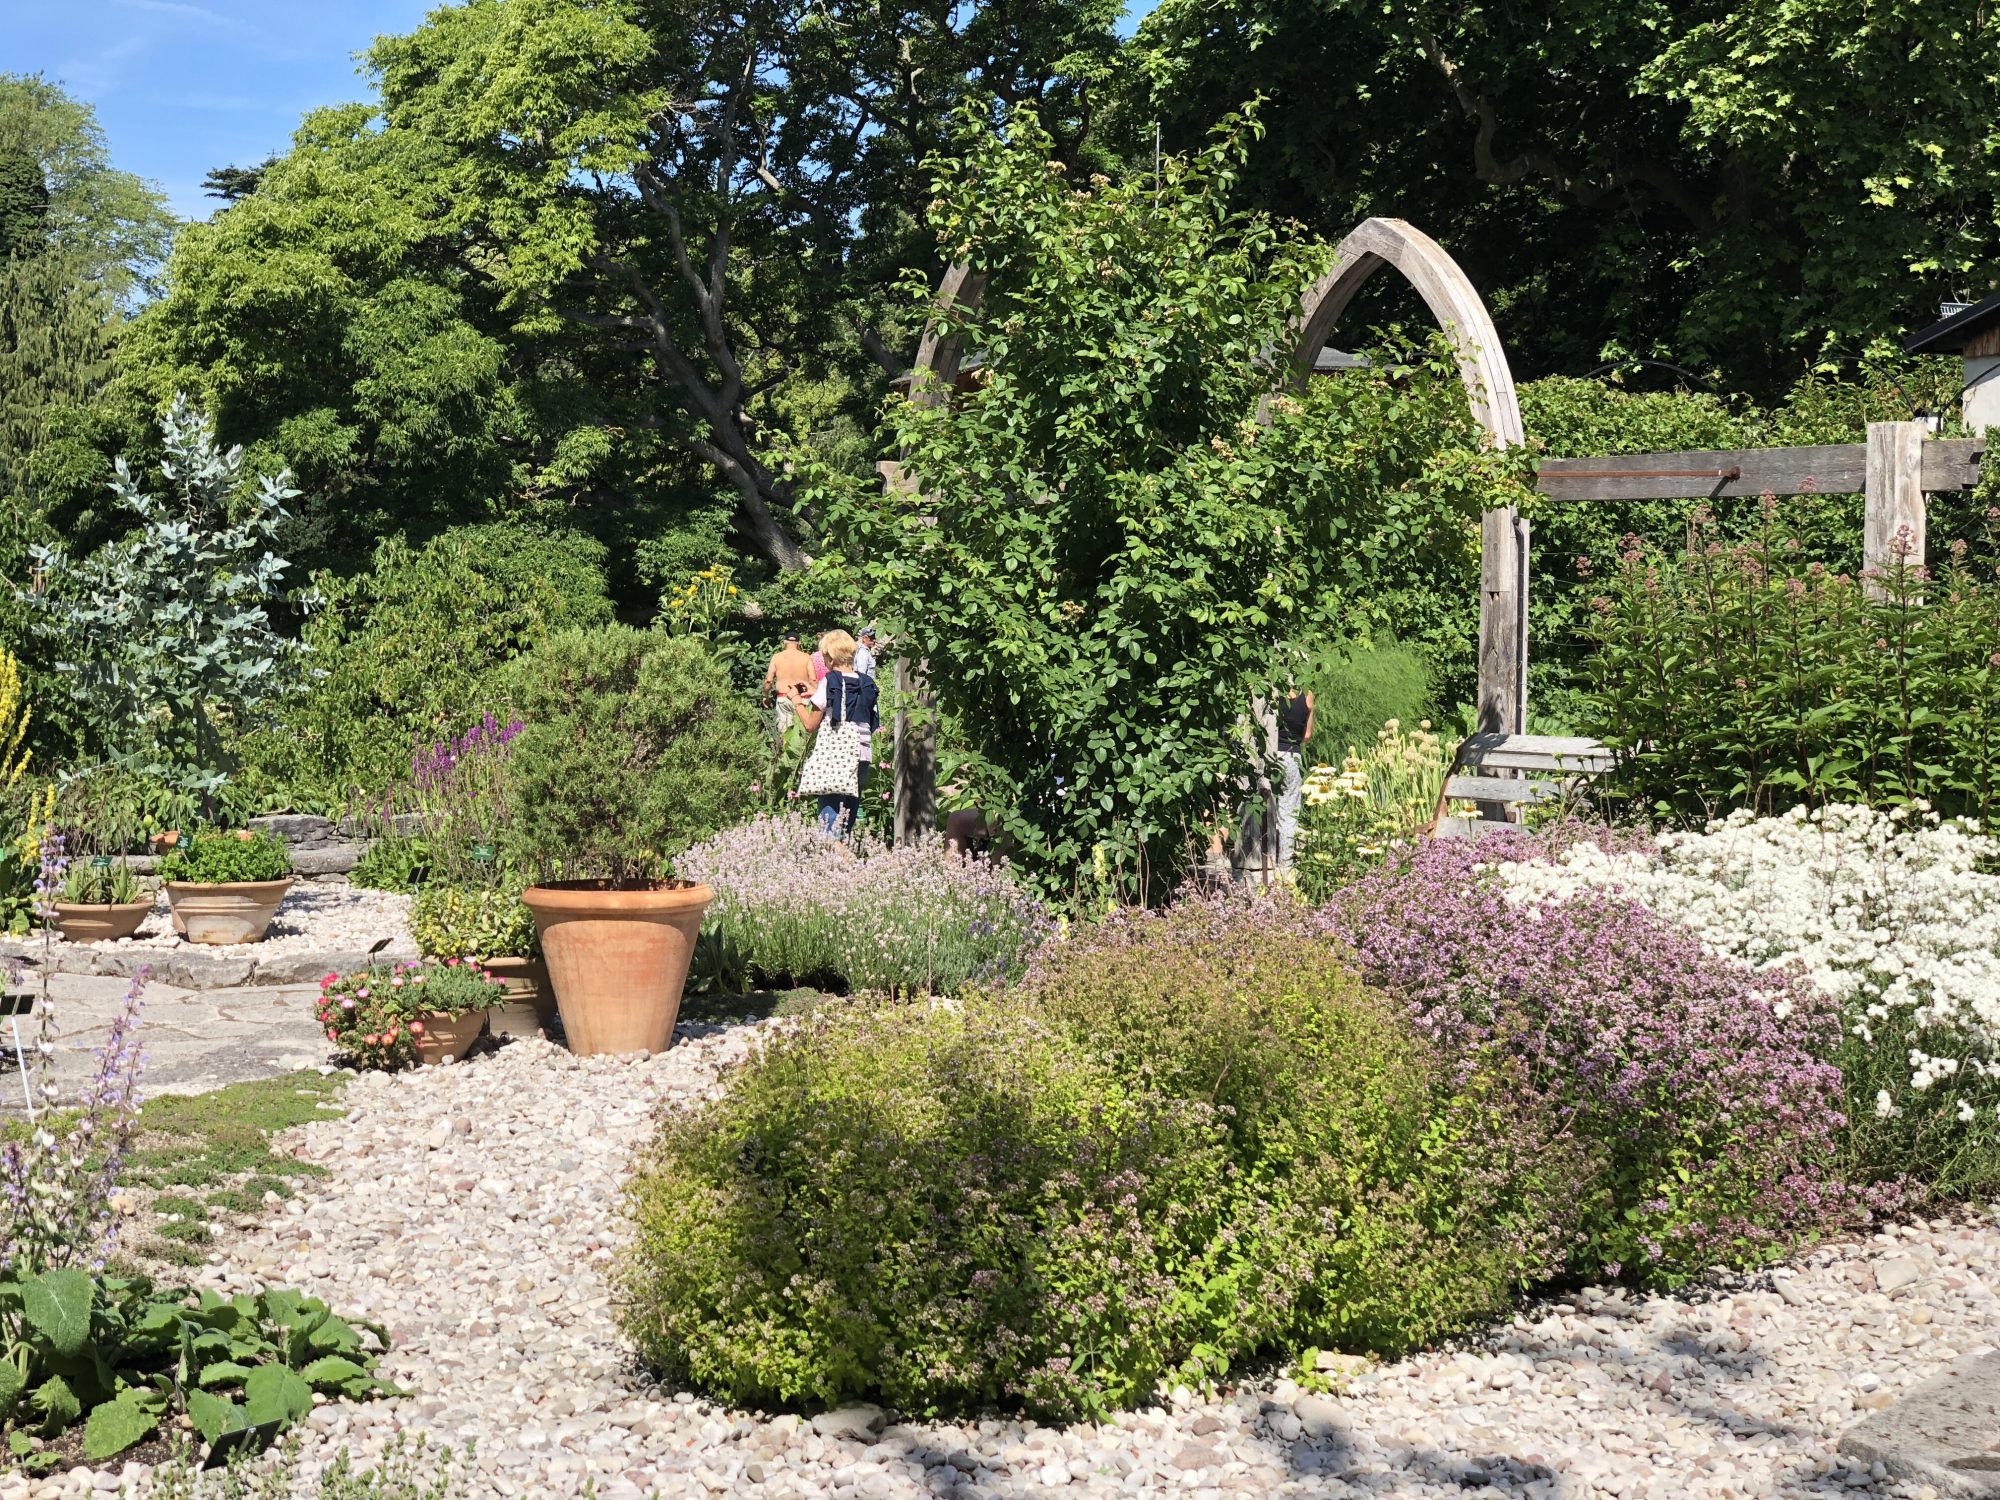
(1359, 687)
(217, 858)
(635, 746)
(122, 1359)
(406, 1470)
(408, 651)
(377, 1016)
(1746, 676)
(450, 921)
(394, 862)
(1736, 186)
(1100, 546)
(1194, 1141)
(166, 633)
(84, 884)
(24, 203)
(1360, 809)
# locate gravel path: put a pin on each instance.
(471, 1208)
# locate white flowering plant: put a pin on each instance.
(1378, 798)
(1895, 914)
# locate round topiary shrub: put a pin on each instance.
(1182, 1144)
(635, 746)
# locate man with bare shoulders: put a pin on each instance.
(787, 681)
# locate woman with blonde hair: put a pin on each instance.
(841, 717)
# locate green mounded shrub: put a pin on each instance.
(1191, 1139)
(396, 862)
(1359, 688)
(408, 652)
(217, 858)
(635, 745)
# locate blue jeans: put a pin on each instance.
(837, 814)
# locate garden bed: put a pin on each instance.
(474, 1208)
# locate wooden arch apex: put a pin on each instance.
(1489, 387)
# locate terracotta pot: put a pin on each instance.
(100, 923)
(618, 959)
(446, 1036)
(237, 912)
(530, 1006)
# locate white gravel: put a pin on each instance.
(472, 1208)
(315, 916)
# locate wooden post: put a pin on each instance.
(1500, 635)
(1894, 523)
(916, 756)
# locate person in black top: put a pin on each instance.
(1295, 727)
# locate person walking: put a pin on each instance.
(841, 715)
(864, 654)
(1295, 727)
(787, 680)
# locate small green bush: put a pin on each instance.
(217, 858)
(451, 921)
(635, 746)
(396, 862)
(1359, 688)
(1191, 1139)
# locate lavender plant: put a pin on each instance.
(869, 915)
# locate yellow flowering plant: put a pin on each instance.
(1374, 801)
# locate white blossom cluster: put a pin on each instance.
(1894, 914)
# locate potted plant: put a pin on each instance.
(388, 1018)
(492, 925)
(100, 903)
(226, 887)
(635, 744)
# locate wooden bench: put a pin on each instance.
(1508, 772)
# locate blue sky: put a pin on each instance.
(185, 85)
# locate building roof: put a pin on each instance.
(1950, 335)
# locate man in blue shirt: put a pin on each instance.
(864, 653)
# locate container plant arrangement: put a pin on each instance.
(100, 903)
(390, 1018)
(634, 745)
(225, 887)
(492, 925)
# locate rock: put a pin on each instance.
(858, 1423)
(1195, 1456)
(1320, 1417)
(1203, 1425)
(1895, 1273)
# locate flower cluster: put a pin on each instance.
(866, 914)
(458, 792)
(377, 1017)
(1895, 916)
(1377, 800)
(1701, 1082)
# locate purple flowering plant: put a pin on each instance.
(458, 793)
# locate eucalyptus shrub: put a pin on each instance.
(166, 633)
(1745, 676)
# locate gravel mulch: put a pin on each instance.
(472, 1209)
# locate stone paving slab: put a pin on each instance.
(193, 1040)
(1945, 1433)
(192, 969)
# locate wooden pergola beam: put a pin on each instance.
(1828, 469)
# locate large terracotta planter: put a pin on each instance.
(618, 959)
(104, 923)
(238, 912)
(530, 1006)
(446, 1037)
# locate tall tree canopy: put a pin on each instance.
(1732, 184)
(721, 193)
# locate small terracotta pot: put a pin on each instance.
(446, 1036)
(237, 912)
(104, 923)
(618, 959)
(530, 1006)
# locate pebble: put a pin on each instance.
(315, 916)
(472, 1209)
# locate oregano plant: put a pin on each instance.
(166, 632)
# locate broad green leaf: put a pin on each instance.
(57, 1305)
(213, 1415)
(275, 1394)
(57, 1403)
(226, 1372)
(115, 1426)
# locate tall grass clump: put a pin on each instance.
(1359, 687)
(793, 906)
(1187, 1139)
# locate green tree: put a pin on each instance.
(1729, 184)
(719, 193)
(24, 204)
(1100, 550)
(166, 633)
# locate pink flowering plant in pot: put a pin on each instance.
(393, 1017)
